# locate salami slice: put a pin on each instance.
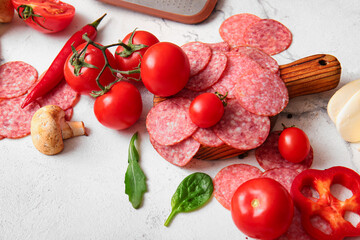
(233, 28)
(16, 78)
(269, 35)
(69, 113)
(230, 178)
(285, 176)
(263, 59)
(207, 137)
(269, 157)
(210, 75)
(219, 47)
(183, 103)
(296, 230)
(62, 95)
(199, 55)
(241, 129)
(15, 121)
(262, 92)
(237, 66)
(169, 122)
(189, 94)
(178, 154)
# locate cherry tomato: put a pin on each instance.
(294, 145)
(262, 208)
(165, 69)
(47, 16)
(120, 107)
(85, 83)
(206, 110)
(133, 57)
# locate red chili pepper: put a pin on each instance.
(55, 73)
(327, 206)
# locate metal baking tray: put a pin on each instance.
(185, 11)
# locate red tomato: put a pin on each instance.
(262, 208)
(165, 69)
(119, 108)
(294, 145)
(132, 61)
(47, 16)
(85, 83)
(206, 110)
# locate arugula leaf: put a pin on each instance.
(192, 193)
(135, 179)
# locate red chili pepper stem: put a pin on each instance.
(96, 23)
(78, 62)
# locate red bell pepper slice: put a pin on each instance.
(327, 206)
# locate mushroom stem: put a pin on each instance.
(73, 129)
(49, 128)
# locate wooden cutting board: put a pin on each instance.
(309, 75)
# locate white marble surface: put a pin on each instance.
(79, 194)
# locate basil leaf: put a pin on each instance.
(192, 193)
(135, 179)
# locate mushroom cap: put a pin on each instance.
(46, 129)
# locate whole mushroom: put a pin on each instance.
(49, 128)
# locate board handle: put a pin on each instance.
(309, 75)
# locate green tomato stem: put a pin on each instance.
(130, 48)
(28, 12)
(124, 45)
(105, 89)
(222, 98)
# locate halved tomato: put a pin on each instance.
(47, 16)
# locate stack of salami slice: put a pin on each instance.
(16, 80)
(246, 29)
(240, 68)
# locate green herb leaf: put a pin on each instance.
(135, 179)
(192, 193)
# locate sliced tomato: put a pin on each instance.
(47, 16)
